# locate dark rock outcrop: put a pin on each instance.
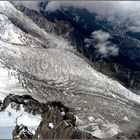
(58, 125)
(21, 132)
(31, 105)
(0, 102)
(63, 28)
(58, 121)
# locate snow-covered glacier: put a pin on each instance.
(57, 72)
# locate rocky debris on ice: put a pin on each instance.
(21, 132)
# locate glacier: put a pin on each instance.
(57, 72)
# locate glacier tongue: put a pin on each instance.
(56, 73)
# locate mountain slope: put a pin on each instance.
(57, 73)
(77, 24)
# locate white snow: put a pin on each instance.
(78, 121)
(29, 120)
(68, 72)
(126, 118)
(63, 113)
(9, 83)
(8, 122)
(73, 66)
(109, 130)
(33, 131)
(9, 34)
(21, 116)
(51, 125)
(91, 118)
(54, 41)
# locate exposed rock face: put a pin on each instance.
(55, 125)
(21, 132)
(31, 105)
(124, 75)
(56, 73)
(63, 28)
(58, 121)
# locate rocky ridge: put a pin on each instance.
(58, 121)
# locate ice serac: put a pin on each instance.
(57, 73)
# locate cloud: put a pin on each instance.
(120, 12)
(104, 48)
(114, 11)
(100, 35)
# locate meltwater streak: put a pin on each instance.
(56, 73)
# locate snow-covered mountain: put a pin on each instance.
(51, 69)
(78, 22)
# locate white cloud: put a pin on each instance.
(115, 11)
(104, 47)
(100, 35)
